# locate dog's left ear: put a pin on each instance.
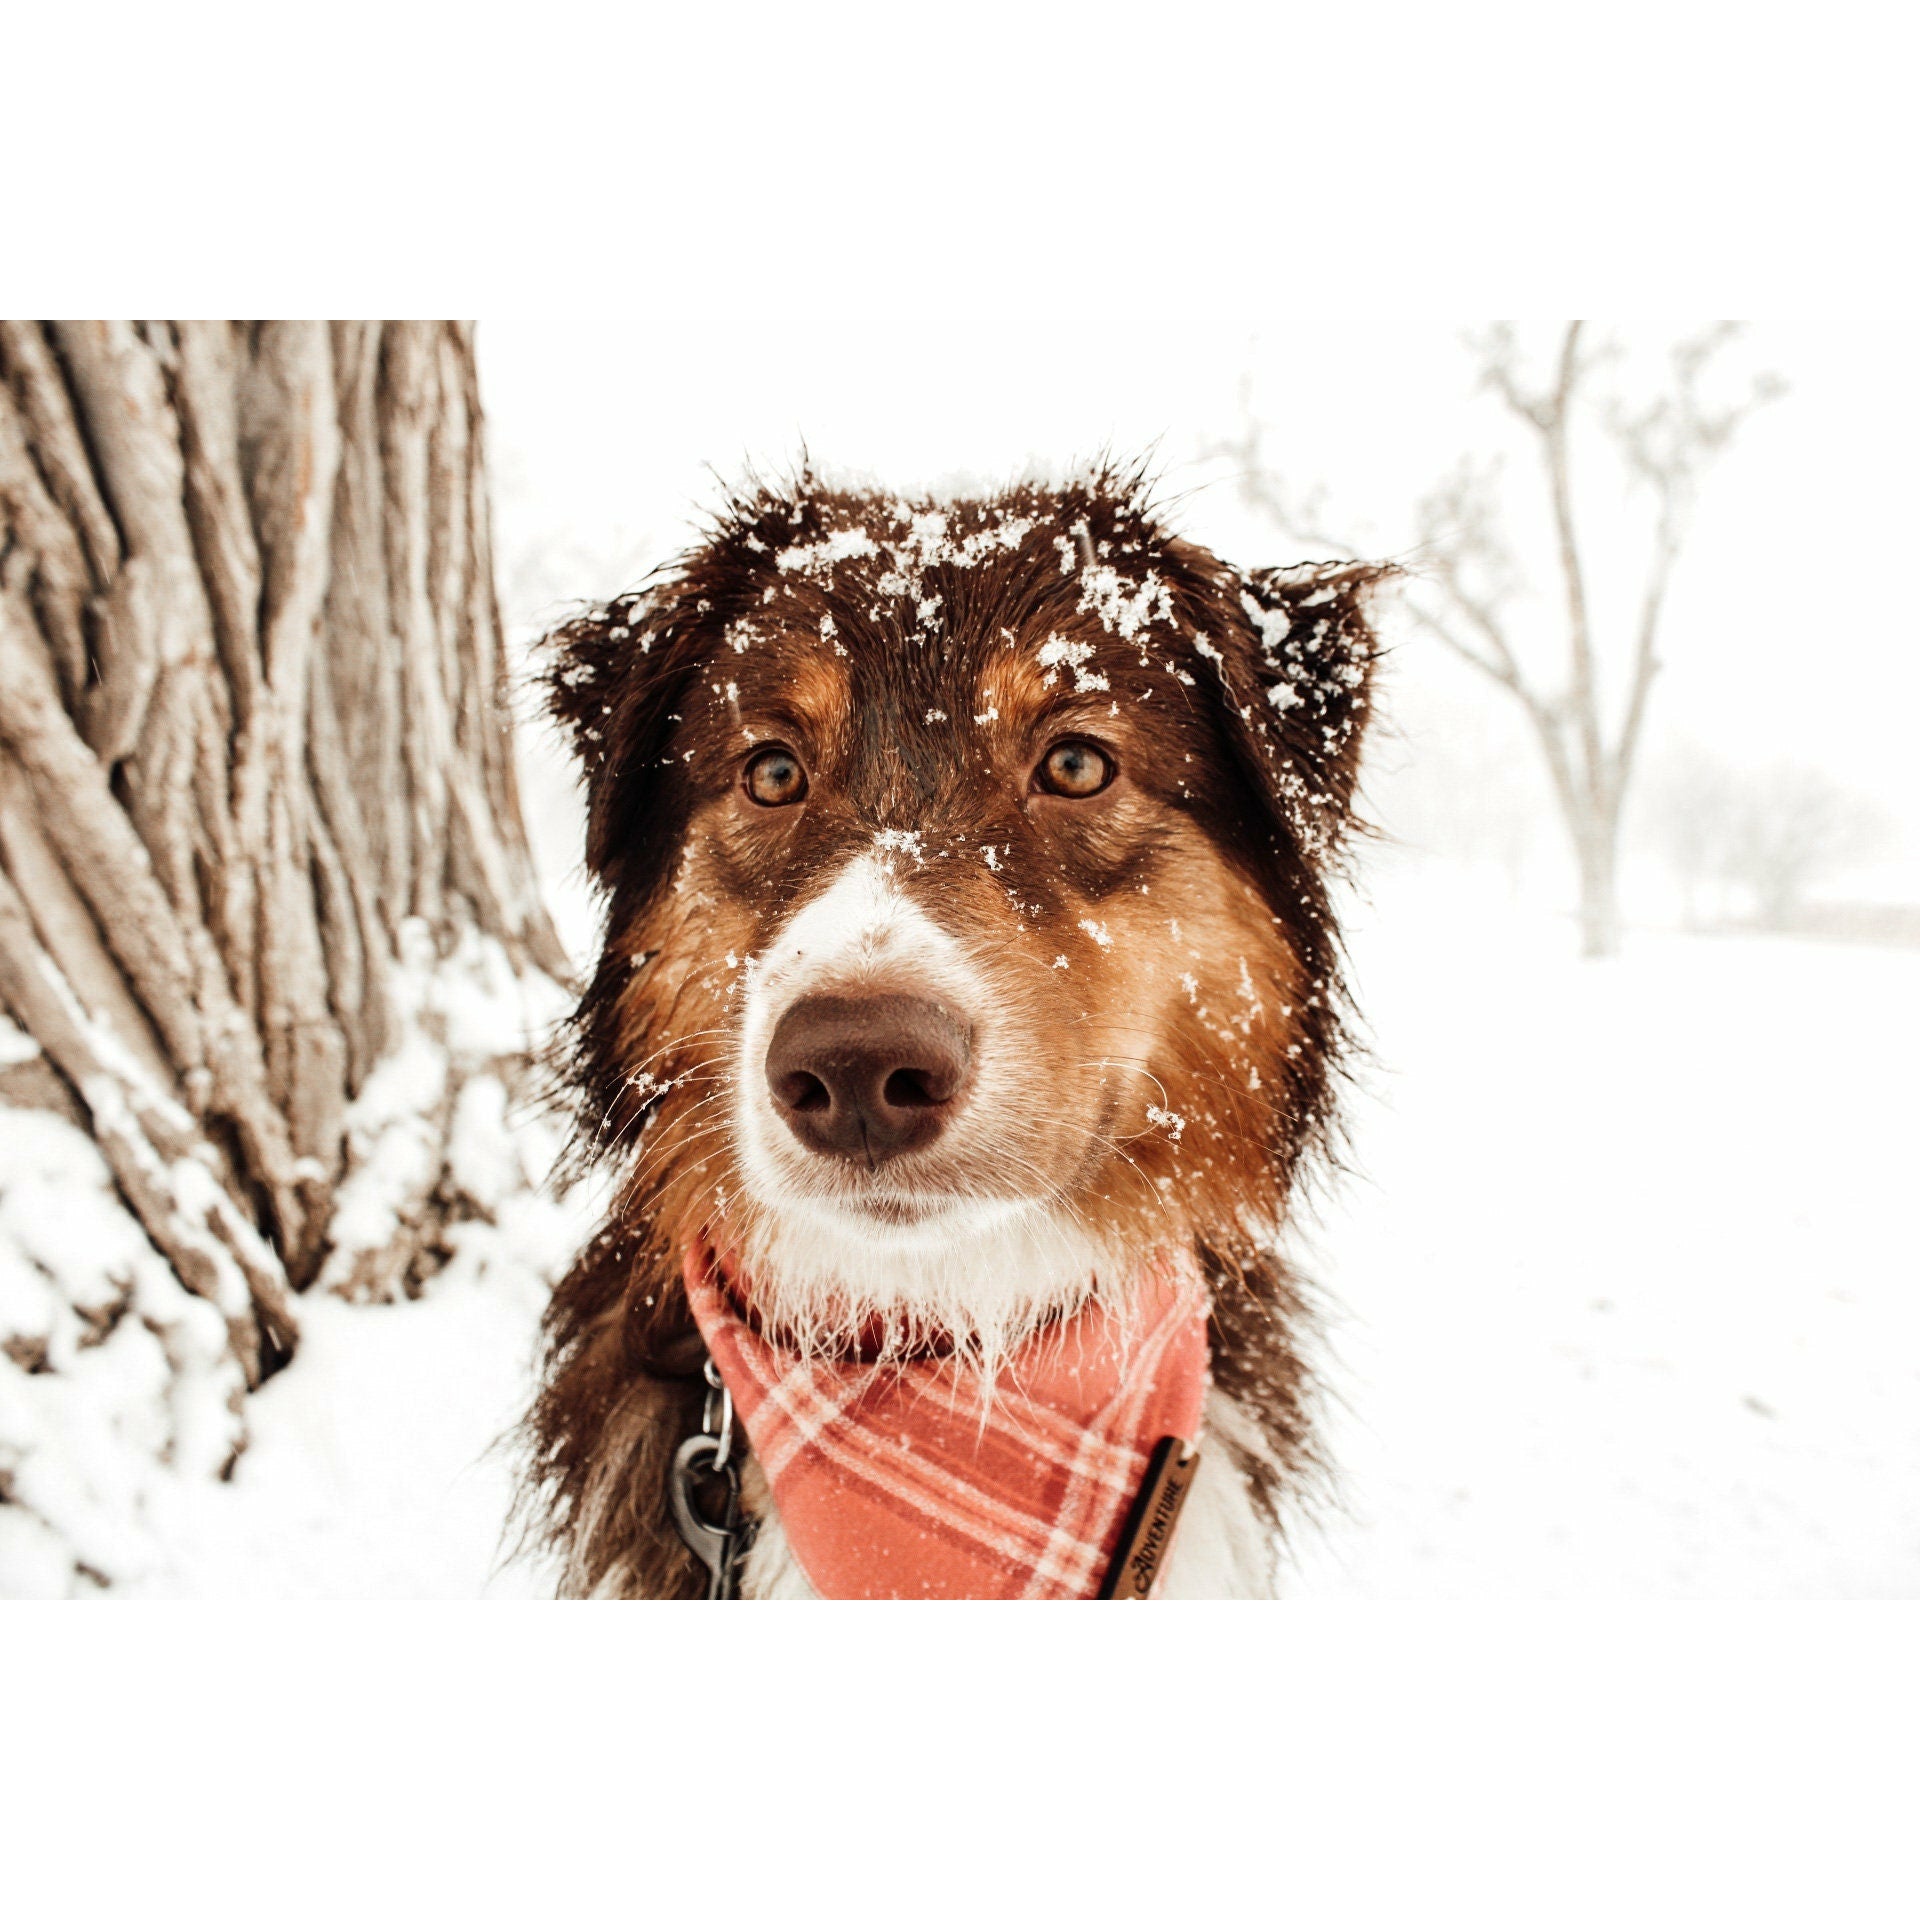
(1295, 661)
(614, 675)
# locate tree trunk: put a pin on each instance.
(1596, 846)
(258, 820)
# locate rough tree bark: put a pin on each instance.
(256, 778)
(1464, 578)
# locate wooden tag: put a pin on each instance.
(1149, 1529)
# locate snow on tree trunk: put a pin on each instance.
(270, 941)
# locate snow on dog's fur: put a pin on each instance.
(1033, 763)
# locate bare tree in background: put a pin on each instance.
(257, 810)
(1691, 810)
(1467, 580)
(1774, 833)
(1792, 827)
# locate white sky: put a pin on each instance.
(1790, 632)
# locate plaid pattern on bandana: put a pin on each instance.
(892, 1483)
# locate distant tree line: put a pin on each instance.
(1757, 842)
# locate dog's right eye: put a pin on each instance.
(1074, 770)
(774, 778)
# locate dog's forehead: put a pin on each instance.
(906, 603)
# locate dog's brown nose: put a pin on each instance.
(867, 1076)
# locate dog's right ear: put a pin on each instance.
(614, 678)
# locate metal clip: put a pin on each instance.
(719, 1405)
(699, 1460)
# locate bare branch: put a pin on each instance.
(1646, 662)
(1470, 577)
(1671, 441)
(1295, 518)
(1495, 667)
(1668, 444)
(1549, 412)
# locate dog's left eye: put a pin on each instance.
(775, 778)
(1075, 770)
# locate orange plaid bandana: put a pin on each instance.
(894, 1483)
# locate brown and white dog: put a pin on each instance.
(968, 943)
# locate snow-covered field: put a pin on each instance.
(374, 1469)
(1622, 1300)
(1626, 1295)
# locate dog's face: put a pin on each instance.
(966, 938)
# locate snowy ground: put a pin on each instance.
(374, 1469)
(1623, 1300)
(1627, 1297)
(378, 1464)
